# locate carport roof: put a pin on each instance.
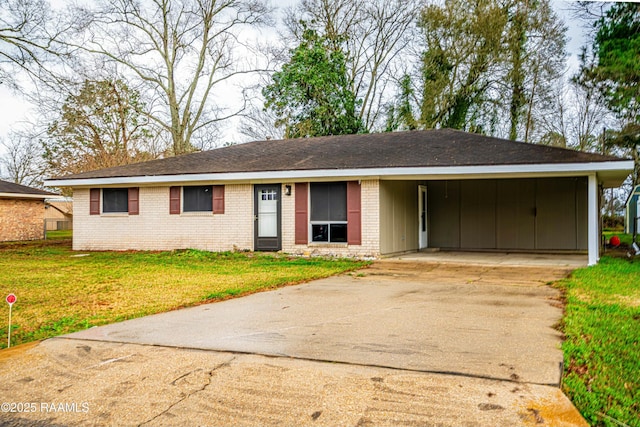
(377, 151)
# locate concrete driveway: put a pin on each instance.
(450, 344)
(487, 322)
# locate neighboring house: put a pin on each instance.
(632, 212)
(22, 212)
(356, 195)
(59, 215)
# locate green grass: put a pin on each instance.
(60, 291)
(602, 342)
(59, 234)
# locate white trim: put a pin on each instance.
(23, 196)
(592, 218)
(59, 199)
(441, 172)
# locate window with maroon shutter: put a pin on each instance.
(134, 202)
(94, 201)
(354, 216)
(174, 200)
(197, 198)
(328, 213)
(115, 200)
(218, 199)
(301, 216)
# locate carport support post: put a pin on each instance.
(593, 216)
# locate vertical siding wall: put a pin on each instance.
(542, 214)
(398, 216)
(21, 219)
(155, 229)
(370, 246)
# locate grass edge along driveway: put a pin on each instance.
(60, 291)
(601, 350)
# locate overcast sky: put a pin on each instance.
(13, 110)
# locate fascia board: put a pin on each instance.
(23, 196)
(444, 172)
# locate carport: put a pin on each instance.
(517, 208)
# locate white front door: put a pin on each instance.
(422, 216)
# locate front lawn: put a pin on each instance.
(60, 291)
(602, 346)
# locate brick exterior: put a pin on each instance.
(155, 229)
(370, 247)
(21, 219)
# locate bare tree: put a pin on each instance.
(259, 125)
(554, 125)
(23, 163)
(29, 37)
(575, 118)
(182, 52)
(589, 117)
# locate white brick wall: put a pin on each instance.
(155, 229)
(370, 247)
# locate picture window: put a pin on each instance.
(198, 198)
(115, 200)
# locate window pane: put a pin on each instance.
(319, 201)
(198, 198)
(115, 200)
(338, 233)
(320, 232)
(329, 201)
(338, 201)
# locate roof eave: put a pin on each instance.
(24, 196)
(611, 173)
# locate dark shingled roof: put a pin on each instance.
(430, 148)
(17, 189)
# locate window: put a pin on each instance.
(329, 212)
(115, 200)
(198, 198)
(268, 195)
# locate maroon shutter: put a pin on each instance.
(302, 223)
(94, 201)
(134, 202)
(354, 221)
(218, 199)
(174, 200)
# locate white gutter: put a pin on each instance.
(443, 172)
(23, 196)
